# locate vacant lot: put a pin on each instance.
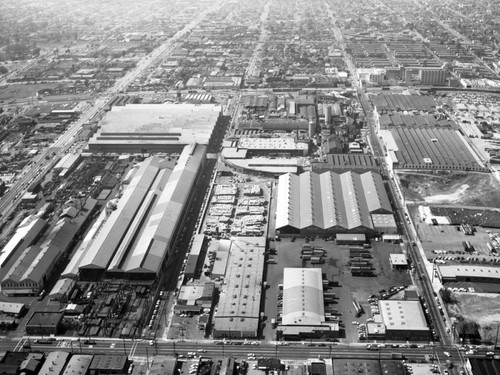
(464, 188)
(20, 91)
(484, 309)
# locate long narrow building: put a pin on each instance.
(135, 240)
(32, 269)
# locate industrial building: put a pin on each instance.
(269, 146)
(54, 363)
(339, 163)
(469, 273)
(399, 102)
(330, 203)
(44, 323)
(78, 364)
(367, 366)
(140, 128)
(303, 306)
(109, 364)
(195, 261)
(262, 166)
(27, 233)
(238, 315)
(404, 320)
(137, 237)
(32, 269)
(430, 148)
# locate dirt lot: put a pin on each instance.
(22, 91)
(465, 188)
(484, 309)
(336, 269)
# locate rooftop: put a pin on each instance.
(303, 297)
(403, 315)
(453, 271)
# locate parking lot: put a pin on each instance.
(444, 242)
(336, 269)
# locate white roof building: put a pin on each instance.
(303, 297)
(155, 127)
(403, 315)
(330, 201)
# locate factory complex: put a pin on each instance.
(331, 203)
(140, 128)
(137, 237)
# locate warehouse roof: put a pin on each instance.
(239, 302)
(54, 363)
(137, 235)
(398, 259)
(35, 261)
(11, 307)
(26, 233)
(303, 296)
(403, 315)
(330, 200)
(346, 161)
(272, 144)
(157, 124)
(433, 147)
(454, 271)
(78, 364)
(108, 362)
(62, 288)
(113, 229)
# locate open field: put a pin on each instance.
(20, 91)
(464, 188)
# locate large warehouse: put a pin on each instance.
(330, 203)
(134, 241)
(238, 315)
(430, 148)
(404, 320)
(146, 128)
(34, 267)
(469, 273)
(303, 305)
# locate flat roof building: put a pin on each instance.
(78, 364)
(238, 314)
(329, 203)
(260, 146)
(109, 364)
(469, 273)
(404, 320)
(155, 127)
(44, 323)
(398, 260)
(54, 363)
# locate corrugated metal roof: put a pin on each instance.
(114, 229)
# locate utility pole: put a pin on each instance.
(124, 348)
(147, 355)
(496, 338)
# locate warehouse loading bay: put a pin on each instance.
(337, 270)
